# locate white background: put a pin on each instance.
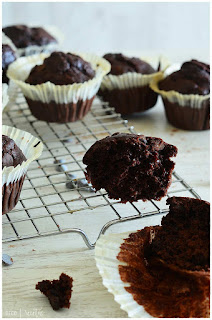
(177, 30)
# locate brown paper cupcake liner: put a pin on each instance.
(60, 113)
(11, 194)
(187, 118)
(127, 101)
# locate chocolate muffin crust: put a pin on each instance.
(23, 36)
(61, 69)
(192, 78)
(11, 153)
(121, 64)
(8, 56)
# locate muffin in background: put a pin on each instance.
(59, 87)
(126, 87)
(186, 95)
(19, 149)
(32, 40)
(8, 56)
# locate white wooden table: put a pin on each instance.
(48, 257)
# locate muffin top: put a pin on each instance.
(121, 64)
(184, 238)
(192, 78)
(11, 153)
(23, 36)
(8, 56)
(61, 69)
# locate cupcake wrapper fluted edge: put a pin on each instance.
(13, 177)
(48, 94)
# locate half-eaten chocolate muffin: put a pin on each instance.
(130, 167)
(57, 291)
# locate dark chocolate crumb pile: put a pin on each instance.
(57, 291)
(130, 167)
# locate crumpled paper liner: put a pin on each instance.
(121, 256)
(13, 177)
(47, 93)
(106, 251)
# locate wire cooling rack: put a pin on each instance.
(56, 198)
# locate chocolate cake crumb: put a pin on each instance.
(130, 167)
(57, 291)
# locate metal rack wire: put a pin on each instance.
(55, 197)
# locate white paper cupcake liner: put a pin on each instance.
(126, 81)
(184, 100)
(31, 147)
(46, 92)
(106, 251)
(5, 97)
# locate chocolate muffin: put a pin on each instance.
(8, 56)
(185, 95)
(11, 156)
(11, 153)
(126, 88)
(192, 78)
(23, 36)
(61, 69)
(130, 167)
(121, 64)
(167, 266)
(57, 291)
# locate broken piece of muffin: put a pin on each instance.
(57, 291)
(130, 166)
(167, 267)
